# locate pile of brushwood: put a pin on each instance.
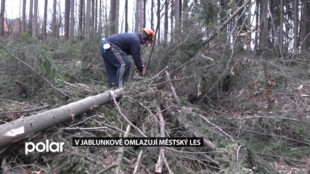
(152, 107)
(252, 112)
(149, 111)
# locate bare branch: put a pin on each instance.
(172, 87)
(138, 162)
(218, 128)
(187, 126)
(159, 164)
(108, 168)
(237, 156)
(121, 153)
(121, 113)
(166, 163)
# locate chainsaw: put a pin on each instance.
(135, 75)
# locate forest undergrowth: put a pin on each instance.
(252, 109)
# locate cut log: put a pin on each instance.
(23, 127)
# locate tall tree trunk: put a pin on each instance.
(67, 18)
(166, 21)
(287, 19)
(158, 21)
(144, 14)
(307, 42)
(114, 16)
(257, 26)
(95, 17)
(2, 17)
(274, 36)
(81, 11)
(106, 31)
(139, 15)
(263, 45)
(45, 19)
(126, 16)
(30, 17)
(295, 26)
(178, 13)
(249, 24)
(35, 19)
(249, 16)
(24, 16)
(54, 20)
(281, 28)
(305, 36)
(88, 19)
(185, 9)
(171, 20)
(241, 18)
(100, 17)
(60, 25)
(152, 14)
(264, 39)
(20, 17)
(72, 21)
(84, 17)
(92, 19)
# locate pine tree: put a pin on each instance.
(264, 39)
(158, 21)
(281, 28)
(72, 20)
(45, 18)
(126, 16)
(2, 17)
(35, 19)
(54, 20)
(81, 14)
(24, 16)
(296, 25)
(67, 18)
(305, 26)
(114, 16)
(88, 19)
(30, 17)
(166, 21)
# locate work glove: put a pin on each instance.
(143, 72)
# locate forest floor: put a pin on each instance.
(258, 124)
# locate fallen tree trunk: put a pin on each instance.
(19, 129)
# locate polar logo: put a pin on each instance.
(44, 147)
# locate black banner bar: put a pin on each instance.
(120, 141)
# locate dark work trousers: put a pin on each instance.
(117, 65)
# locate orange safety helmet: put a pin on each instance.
(150, 34)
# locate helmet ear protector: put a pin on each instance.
(149, 34)
(147, 38)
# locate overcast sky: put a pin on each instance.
(13, 8)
